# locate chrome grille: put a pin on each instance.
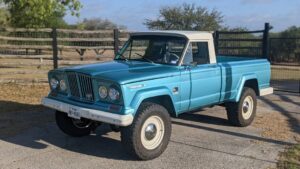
(72, 79)
(86, 87)
(81, 86)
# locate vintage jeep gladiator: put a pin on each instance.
(154, 76)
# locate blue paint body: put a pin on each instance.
(198, 86)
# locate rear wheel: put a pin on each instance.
(242, 113)
(74, 127)
(149, 134)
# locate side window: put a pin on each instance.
(200, 52)
(188, 57)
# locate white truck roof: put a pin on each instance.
(191, 35)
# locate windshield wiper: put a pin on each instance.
(149, 60)
(143, 58)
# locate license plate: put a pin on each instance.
(73, 112)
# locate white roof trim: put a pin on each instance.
(191, 35)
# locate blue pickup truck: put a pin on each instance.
(154, 76)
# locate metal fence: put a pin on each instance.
(283, 54)
(243, 43)
(285, 51)
(285, 59)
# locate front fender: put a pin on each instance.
(242, 83)
(148, 93)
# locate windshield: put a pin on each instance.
(154, 49)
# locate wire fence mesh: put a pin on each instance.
(285, 60)
(241, 44)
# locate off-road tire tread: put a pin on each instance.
(66, 125)
(129, 133)
(234, 109)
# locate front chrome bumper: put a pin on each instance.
(97, 115)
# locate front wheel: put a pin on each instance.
(149, 134)
(242, 113)
(74, 127)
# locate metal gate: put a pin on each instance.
(283, 54)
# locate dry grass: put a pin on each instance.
(24, 76)
(21, 109)
(278, 128)
(290, 159)
(26, 94)
(285, 73)
(23, 70)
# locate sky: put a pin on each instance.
(251, 14)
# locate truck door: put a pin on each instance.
(205, 77)
(185, 88)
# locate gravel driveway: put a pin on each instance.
(201, 139)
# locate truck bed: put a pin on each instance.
(221, 58)
(235, 69)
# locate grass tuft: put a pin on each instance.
(290, 159)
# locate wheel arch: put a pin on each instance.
(253, 84)
(163, 100)
(248, 81)
(160, 96)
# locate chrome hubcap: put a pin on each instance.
(248, 106)
(150, 131)
(81, 123)
(245, 106)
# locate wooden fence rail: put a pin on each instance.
(58, 40)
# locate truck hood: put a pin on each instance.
(124, 72)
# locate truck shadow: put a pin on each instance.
(41, 132)
(33, 126)
(202, 118)
(293, 121)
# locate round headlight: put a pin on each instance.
(102, 92)
(114, 94)
(53, 83)
(62, 85)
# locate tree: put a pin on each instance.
(98, 24)
(4, 17)
(40, 13)
(286, 48)
(186, 17)
(291, 32)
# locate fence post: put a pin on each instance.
(116, 41)
(265, 49)
(216, 36)
(54, 48)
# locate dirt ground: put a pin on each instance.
(274, 126)
(20, 108)
(34, 68)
